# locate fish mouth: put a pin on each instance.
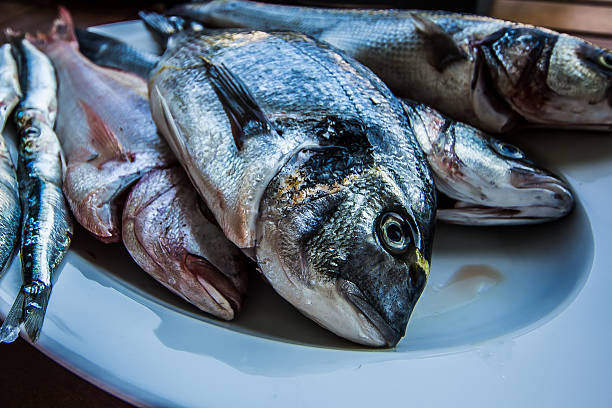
(384, 334)
(560, 197)
(219, 288)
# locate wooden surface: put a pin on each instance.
(591, 20)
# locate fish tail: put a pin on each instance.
(28, 309)
(163, 27)
(61, 30)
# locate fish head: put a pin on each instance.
(350, 252)
(550, 78)
(490, 181)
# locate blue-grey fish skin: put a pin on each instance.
(10, 209)
(490, 73)
(326, 185)
(46, 230)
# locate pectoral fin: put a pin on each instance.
(442, 48)
(243, 112)
(103, 139)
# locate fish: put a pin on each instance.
(472, 169)
(171, 234)
(46, 231)
(489, 181)
(162, 225)
(308, 164)
(106, 130)
(10, 209)
(492, 74)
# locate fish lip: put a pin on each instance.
(354, 296)
(525, 180)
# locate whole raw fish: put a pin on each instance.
(46, 230)
(492, 182)
(490, 73)
(308, 163)
(106, 130)
(169, 232)
(475, 170)
(164, 229)
(10, 210)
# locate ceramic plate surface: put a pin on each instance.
(510, 317)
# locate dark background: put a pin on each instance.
(27, 377)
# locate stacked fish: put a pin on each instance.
(305, 160)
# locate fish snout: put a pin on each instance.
(385, 293)
(553, 192)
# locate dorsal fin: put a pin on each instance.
(103, 138)
(442, 48)
(241, 108)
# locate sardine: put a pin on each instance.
(10, 210)
(169, 232)
(491, 181)
(490, 73)
(46, 230)
(472, 168)
(106, 130)
(308, 163)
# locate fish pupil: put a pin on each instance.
(394, 232)
(607, 60)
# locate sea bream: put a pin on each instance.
(46, 230)
(489, 182)
(106, 130)
(308, 163)
(162, 224)
(10, 209)
(490, 73)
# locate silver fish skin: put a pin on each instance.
(490, 73)
(106, 131)
(491, 181)
(46, 230)
(10, 209)
(171, 234)
(471, 167)
(308, 163)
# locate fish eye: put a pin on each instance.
(395, 233)
(605, 60)
(507, 150)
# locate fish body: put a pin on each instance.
(46, 230)
(308, 164)
(171, 235)
(10, 209)
(106, 130)
(490, 73)
(470, 167)
(492, 182)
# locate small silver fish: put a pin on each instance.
(170, 233)
(492, 182)
(106, 131)
(308, 163)
(10, 210)
(490, 73)
(46, 230)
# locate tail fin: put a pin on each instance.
(108, 52)
(62, 30)
(29, 309)
(163, 27)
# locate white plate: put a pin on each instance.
(510, 316)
